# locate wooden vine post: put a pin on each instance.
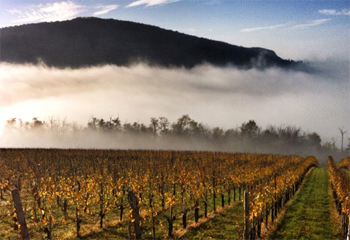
(246, 216)
(134, 204)
(20, 214)
(348, 234)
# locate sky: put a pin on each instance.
(316, 31)
(295, 29)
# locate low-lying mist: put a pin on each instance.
(223, 97)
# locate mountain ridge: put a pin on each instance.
(91, 41)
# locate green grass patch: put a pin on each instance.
(227, 225)
(310, 216)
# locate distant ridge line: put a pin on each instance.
(91, 41)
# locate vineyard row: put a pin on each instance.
(73, 188)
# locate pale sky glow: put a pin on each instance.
(47, 12)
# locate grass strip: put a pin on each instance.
(310, 214)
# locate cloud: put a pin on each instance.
(311, 23)
(213, 2)
(263, 28)
(333, 12)
(57, 11)
(150, 2)
(299, 26)
(105, 9)
(224, 97)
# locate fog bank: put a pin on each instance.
(223, 97)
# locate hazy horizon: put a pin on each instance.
(224, 97)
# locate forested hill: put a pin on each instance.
(92, 41)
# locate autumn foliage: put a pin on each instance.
(70, 187)
(340, 181)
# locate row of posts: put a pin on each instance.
(249, 233)
(20, 216)
(344, 219)
(135, 215)
(134, 204)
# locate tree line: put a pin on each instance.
(248, 137)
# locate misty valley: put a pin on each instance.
(112, 129)
(237, 162)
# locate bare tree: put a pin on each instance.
(154, 125)
(164, 125)
(342, 132)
